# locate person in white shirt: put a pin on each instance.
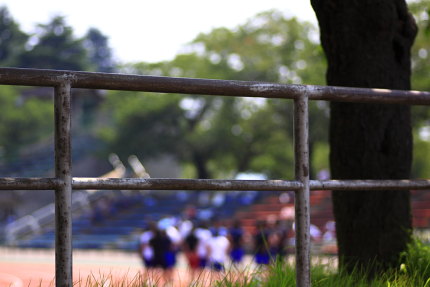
(218, 250)
(203, 235)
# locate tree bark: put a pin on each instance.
(200, 163)
(367, 44)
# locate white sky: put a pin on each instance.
(150, 31)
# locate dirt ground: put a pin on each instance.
(27, 268)
(36, 268)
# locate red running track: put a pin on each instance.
(28, 268)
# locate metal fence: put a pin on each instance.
(63, 183)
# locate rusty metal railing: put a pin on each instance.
(63, 183)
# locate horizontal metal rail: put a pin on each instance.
(87, 80)
(80, 183)
(29, 183)
(185, 184)
(340, 185)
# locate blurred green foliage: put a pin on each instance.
(420, 81)
(221, 136)
(210, 136)
(22, 122)
(27, 113)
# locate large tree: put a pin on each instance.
(55, 47)
(99, 52)
(367, 44)
(12, 39)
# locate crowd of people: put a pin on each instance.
(203, 246)
(213, 246)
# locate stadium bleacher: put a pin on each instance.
(128, 214)
(132, 212)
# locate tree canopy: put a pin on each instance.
(27, 114)
(223, 136)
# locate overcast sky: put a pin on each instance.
(150, 31)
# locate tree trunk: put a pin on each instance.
(367, 44)
(200, 163)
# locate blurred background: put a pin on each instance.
(131, 134)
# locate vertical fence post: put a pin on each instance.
(302, 206)
(63, 194)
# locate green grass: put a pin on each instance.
(413, 271)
